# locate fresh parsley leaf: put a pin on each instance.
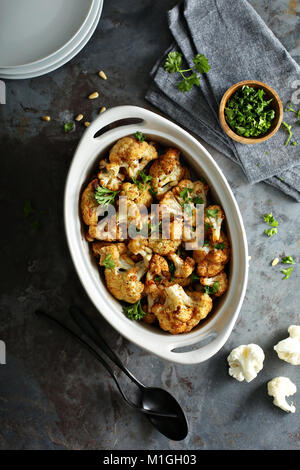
(108, 262)
(201, 63)
(248, 113)
(207, 226)
(212, 289)
(105, 196)
(198, 200)
(135, 311)
(187, 83)
(219, 246)
(270, 220)
(289, 108)
(184, 194)
(289, 129)
(288, 260)
(172, 269)
(173, 64)
(157, 278)
(271, 231)
(139, 136)
(68, 126)
(287, 272)
(154, 227)
(144, 184)
(194, 277)
(28, 209)
(212, 213)
(206, 243)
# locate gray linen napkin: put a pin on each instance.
(238, 46)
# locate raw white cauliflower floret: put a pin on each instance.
(132, 155)
(166, 172)
(289, 349)
(280, 388)
(245, 362)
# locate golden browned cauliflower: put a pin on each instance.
(110, 176)
(166, 172)
(164, 246)
(157, 274)
(220, 282)
(181, 312)
(208, 269)
(132, 155)
(214, 217)
(138, 195)
(89, 204)
(122, 274)
(191, 192)
(183, 267)
(216, 253)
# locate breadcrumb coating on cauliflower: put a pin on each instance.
(89, 204)
(123, 279)
(214, 217)
(222, 280)
(166, 172)
(110, 176)
(183, 267)
(181, 312)
(132, 155)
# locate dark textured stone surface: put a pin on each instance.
(53, 395)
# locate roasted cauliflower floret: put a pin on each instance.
(89, 204)
(217, 253)
(122, 275)
(138, 195)
(110, 176)
(132, 155)
(164, 246)
(191, 192)
(181, 312)
(157, 274)
(183, 267)
(208, 269)
(166, 172)
(214, 217)
(218, 283)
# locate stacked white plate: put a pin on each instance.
(38, 36)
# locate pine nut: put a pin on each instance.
(102, 110)
(94, 95)
(87, 123)
(102, 75)
(275, 261)
(79, 117)
(46, 118)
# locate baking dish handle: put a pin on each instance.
(121, 113)
(206, 347)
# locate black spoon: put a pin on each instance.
(171, 422)
(152, 398)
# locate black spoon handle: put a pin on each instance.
(105, 365)
(90, 330)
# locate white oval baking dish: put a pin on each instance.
(204, 341)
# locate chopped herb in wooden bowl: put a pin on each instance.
(248, 113)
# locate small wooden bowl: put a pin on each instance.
(276, 104)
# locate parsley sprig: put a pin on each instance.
(108, 262)
(289, 129)
(288, 260)
(105, 196)
(248, 113)
(139, 136)
(289, 108)
(287, 272)
(134, 311)
(212, 289)
(145, 182)
(173, 64)
(273, 223)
